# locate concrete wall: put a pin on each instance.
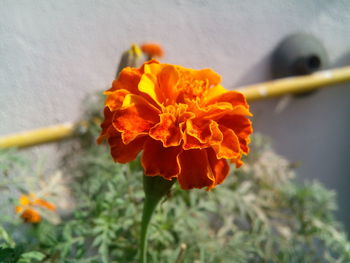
(53, 53)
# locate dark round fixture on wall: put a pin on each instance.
(298, 54)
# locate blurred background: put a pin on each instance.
(54, 53)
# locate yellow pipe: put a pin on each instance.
(254, 92)
(38, 136)
(295, 85)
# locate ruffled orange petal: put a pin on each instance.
(195, 169)
(242, 128)
(218, 110)
(159, 82)
(124, 153)
(128, 79)
(209, 75)
(136, 117)
(167, 82)
(157, 160)
(201, 134)
(191, 142)
(167, 131)
(205, 131)
(214, 92)
(106, 125)
(229, 148)
(219, 167)
(233, 97)
(115, 99)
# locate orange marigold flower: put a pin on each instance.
(185, 122)
(30, 215)
(28, 205)
(153, 49)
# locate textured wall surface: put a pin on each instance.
(53, 53)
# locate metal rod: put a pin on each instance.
(38, 136)
(295, 85)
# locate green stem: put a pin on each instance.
(155, 188)
(148, 209)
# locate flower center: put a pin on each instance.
(190, 89)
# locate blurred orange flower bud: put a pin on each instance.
(30, 215)
(152, 50)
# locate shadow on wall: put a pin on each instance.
(259, 72)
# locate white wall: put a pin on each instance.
(53, 53)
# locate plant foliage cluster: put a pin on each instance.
(259, 214)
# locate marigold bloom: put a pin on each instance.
(153, 50)
(28, 205)
(185, 122)
(30, 215)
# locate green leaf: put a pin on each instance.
(10, 255)
(28, 257)
(6, 237)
